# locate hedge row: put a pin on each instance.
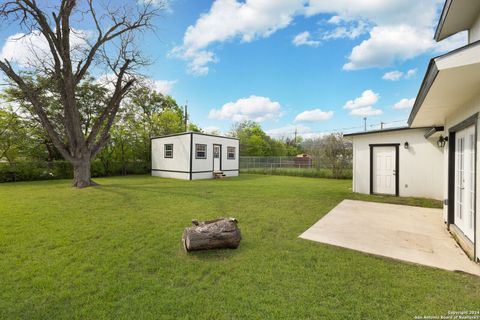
(40, 170)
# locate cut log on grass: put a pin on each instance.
(221, 233)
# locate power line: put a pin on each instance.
(382, 125)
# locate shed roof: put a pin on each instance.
(377, 131)
(191, 132)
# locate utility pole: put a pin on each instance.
(365, 123)
(186, 116)
(295, 140)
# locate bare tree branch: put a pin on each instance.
(115, 30)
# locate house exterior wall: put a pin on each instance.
(474, 32)
(180, 162)
(228, 166)
(420, 165)
(458, 116)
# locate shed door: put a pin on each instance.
(384, 164)
(465, 180)
(217, 157)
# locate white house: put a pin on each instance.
(193, 155)
(397, 161)
(450, 97)
(448, 103)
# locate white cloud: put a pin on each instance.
(404, 104)
(163, 86)
(349, 29)
(252, 108)
(388, 44)
(335, 20)
(157, 3)
(366, 112)
(402, 29)
(314, 115)
(396, 75)
(363, 106)
(32, 50)
(396, 30)
(456, 41)
(303, 39)
(367, 98)
(288, 131)
(108, 80)
(382, 12)
(230, 19)
(211, 130)
(392, 75)
(411, 73)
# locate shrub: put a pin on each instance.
(42, 170)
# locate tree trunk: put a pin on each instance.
(222, 233)
(81, 173)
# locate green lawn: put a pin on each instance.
(114, 251)
(298, 172)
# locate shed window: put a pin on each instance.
(168, 150)
(201, 151)
(231, 153)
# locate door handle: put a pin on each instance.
(394, 172)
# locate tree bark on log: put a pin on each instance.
(221, 233)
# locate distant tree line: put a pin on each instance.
(144, 113)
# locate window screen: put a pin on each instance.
(201, 151)
(169, 151)
(231, 153)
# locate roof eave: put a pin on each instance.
(438, 32)
(429, 78)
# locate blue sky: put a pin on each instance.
(313, 65)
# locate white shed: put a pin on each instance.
(400, 161)
(193, 155)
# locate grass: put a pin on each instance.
(114, 251)
(298, 172)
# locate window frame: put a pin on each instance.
(165, 150)
(196, 150)
(234, 153)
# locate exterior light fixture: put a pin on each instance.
(405, 145)
(441, 141)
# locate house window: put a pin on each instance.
(168, 150)
(201, 151)
(231, 153)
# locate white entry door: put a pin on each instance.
(384, 175)
(465, 180)
(217, 154)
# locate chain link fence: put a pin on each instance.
(304, 165)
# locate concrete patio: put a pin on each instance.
(406, 233)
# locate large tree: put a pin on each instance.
(70, 56)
